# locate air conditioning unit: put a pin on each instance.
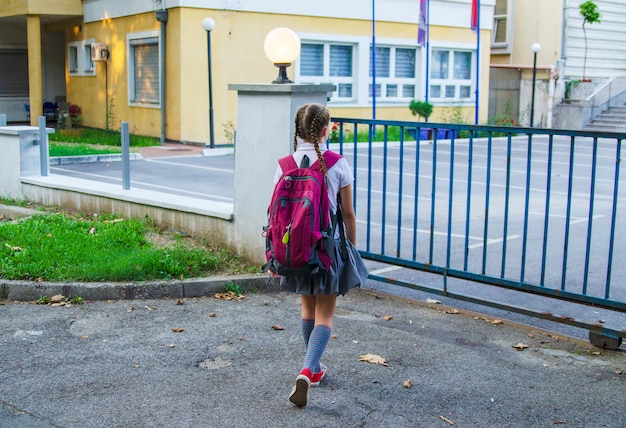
(99, 52)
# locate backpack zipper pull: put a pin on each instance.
(288, 180)
(285, 239)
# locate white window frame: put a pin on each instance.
(84, 66)
(326, 77)
(451, 81)
(506, 46)
(132, 40)
(360, 71)
(400, 82)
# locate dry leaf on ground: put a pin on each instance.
(277, 327)
(229, 295)
(520, 346)
(407, 383)
(374, 359)
(178, 330)
(443, 418)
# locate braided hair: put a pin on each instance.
(310, 120)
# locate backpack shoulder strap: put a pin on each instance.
(331, 158)
(287, 163)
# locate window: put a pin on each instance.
(500, 34)
(79, 61)
(326, 62)
(14, 72)
(395, 73)
(451, 74)
(143, 70)
(87, 54)
(72, 59)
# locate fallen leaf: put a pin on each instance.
(601, 321)
(497, 322)
(334, 336)
(150, 308)
(531, 335)
(387, 317)
(452, 311)
(229, 295)
(171, 345)
(446, 420)
(92, 230)
(277, 327)
(178, 330)
(131, 309)
(407, 383)
(40, 279)
(374, 359)
(212, 315)
(58, 298)
(520, 346)
(180, 302)
(432, 301)
(84, 337)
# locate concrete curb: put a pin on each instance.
(197, 287)
(70, 160)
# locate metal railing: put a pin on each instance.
(527, 210)
(610, 94)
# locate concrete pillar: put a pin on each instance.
(265, 114)
(35, 80)
(20, 150)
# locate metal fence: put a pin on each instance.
(532, 211)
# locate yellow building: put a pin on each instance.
(146, 62)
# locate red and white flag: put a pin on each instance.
(474, 24)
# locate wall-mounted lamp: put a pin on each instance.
(282, 47)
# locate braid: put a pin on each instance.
(309, 122)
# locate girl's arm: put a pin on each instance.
(347, 210)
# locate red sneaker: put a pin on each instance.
(318, 376)
(300, 391)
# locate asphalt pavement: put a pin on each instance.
(178, 354)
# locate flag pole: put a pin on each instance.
(373, 60)
(477, 61)
(427, 48)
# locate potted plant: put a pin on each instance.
(589, 11)
(422, 109)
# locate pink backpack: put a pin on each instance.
(299, 236)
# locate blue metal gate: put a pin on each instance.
(536, 211)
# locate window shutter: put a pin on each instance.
(405, 63)
(146, 71)
(311, 60)
(13, 73)
(341, 61)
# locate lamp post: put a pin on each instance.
(209, 24)
(536, 47)
(282, 47)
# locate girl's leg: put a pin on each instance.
(324, 316)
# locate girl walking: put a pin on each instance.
(319, 292)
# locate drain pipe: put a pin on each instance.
(554, 75)
(161, 16)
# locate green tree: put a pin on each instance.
(589, 11)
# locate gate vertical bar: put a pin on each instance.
(507, 199)
(354, 165)
(526, 205)
(44, 153)
(432, 201)
(417, 187)
(400, 191)
(384, 194)
(125, 157)
(450, 200)
(369, 188)
(618, 161)
(487, 190)
(470, 155)
(568, 213)
(547, 212)
(592, 192)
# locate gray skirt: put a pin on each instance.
(339, 279)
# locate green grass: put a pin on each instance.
(61, 247)
(78, 149)
(93, 142)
